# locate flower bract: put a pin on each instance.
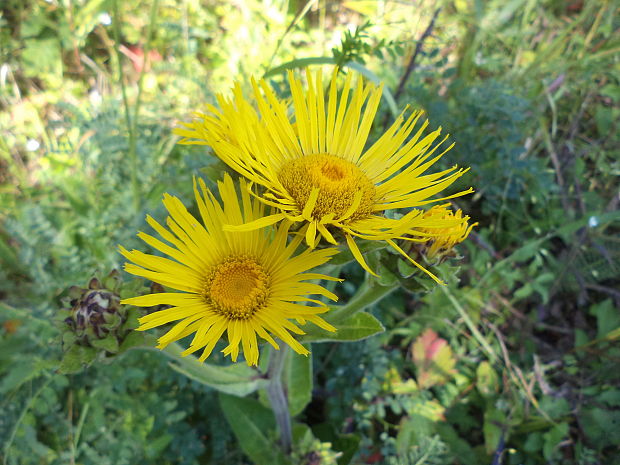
(245, 284)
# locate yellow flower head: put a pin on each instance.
(242, 283)
(441, 240)
(313, 163)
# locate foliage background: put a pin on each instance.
(529, 91)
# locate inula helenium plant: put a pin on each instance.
(308, 182)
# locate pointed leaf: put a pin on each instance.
(254, 427)
(357, 327)
(298, 381)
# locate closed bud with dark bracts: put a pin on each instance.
(95, 323)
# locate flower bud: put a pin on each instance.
(448, 229)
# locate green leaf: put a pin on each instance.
(253, 424)
(238, 379)
(492, 428)
(109, 344)
(132, 318)
(345, 256)
(433, 359)
(601, 426)
(133, 339)
(357, 327)
(368, 294)
(299, 63)
(460, 447)
(551, 440)
(298, 381)
(607, 318)
(75, 358)
(412, 429)
(487, 381)
(20, 372)
(346, 444)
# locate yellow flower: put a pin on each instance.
(242, 283)
(314, 165)
(441, 241)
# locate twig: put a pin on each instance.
(418, 49)
(412, 62)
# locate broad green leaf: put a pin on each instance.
(254, 427)
(133, 339)
(601, 426)
(412, 429)
(433, 359)
(345, 256)
(109, 344)
(368, 294)
(551, 440)
(238, 379)
(298, 381)
(492, 428)
(607, 318)
(459, 446)
(22, 371)
(487, 381)
(357, 327)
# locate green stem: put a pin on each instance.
(470, 324)
(132, 122)
(277, 397)
(145, 64)
(121, 77)
(368, 294)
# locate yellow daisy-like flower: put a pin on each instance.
(314, 165)
(242, 283)
(441, 241)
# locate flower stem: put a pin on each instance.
(277, 397)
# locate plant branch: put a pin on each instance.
(277, 397)
(412, 61)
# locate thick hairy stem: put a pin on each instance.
(277, 397)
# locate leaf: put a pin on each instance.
(20, 372)
(368, 294)
(133, 339)
(551, 440)
(433, 359)
(238, 379)
(357, 327)
(74, 359)
(109, 344)
(346, 444)
(492, 428)
(412, 429)
(601, 426)
(251, 422)
(487, 381)
(607, 318)
(460, 447)
(298, 381)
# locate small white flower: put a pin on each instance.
(32, 145)
(105, 19)
(593, 222)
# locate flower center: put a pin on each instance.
(338, 180)
(237, 287)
